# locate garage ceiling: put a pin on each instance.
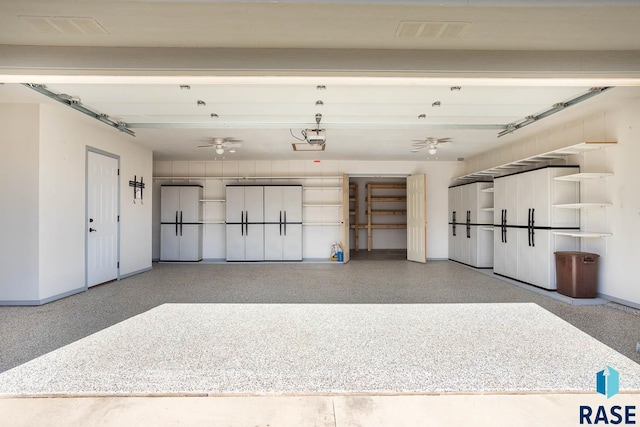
(365, 119)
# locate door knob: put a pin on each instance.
(92, 230)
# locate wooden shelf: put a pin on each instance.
(487, 229)
(388, 186)
(387, 199)
(487, 209)
(212, 200)
(583, 234)
(583, 176)
(583, 205)
(399, 212)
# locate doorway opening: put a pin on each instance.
(378, 217)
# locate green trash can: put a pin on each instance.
(577, 274)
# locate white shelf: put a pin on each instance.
(487, 190)
(213, 200)
(487, 209)
(487, 228)
(309, 205)
(583, 234)
(583, 176)
(248, 177)
(582, 205)
(213, 222)
(321, 223)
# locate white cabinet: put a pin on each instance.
(264, 223)
(283, 223)
(245, 223)
(471, 224)
(525, 220)
(180, 223)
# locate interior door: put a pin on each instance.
(346, 227)
(417, 218)
(102, 218)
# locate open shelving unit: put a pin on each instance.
(377, 199)
(354, 212)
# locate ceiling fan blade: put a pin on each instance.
(205, 146)
(232, 145)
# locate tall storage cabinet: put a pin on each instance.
(180, 223)
(264, 223)
(525, 219)
(245, 223)
(470, 224)
(283, 223)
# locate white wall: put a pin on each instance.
(19, 206)
(438, 174)
(620, 253)
(64, 137)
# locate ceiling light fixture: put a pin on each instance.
(321, 87)
(185, 87)
(422, 116)
(214, 116)
(201, 102)
(219, 149)
(432, 150)
(456, 88)
(436, 104)
(319, 102)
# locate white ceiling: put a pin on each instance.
(365, 119)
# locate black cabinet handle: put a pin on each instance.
(246, 223)
(176, 223)
(285, 223)
(505, 226)
(280, 222)
(181, 223)
(91, 230)
(242, 223)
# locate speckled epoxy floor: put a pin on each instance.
(260, 349)
(29, 332)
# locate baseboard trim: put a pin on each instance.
(619, 301)
(44, 300)
(133, 273)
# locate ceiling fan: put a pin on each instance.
(222, 144)
(430, 144)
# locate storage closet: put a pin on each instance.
(471, 224)
(264, 223)
(525, 222)
(180, 223)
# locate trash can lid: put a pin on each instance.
(576, 253)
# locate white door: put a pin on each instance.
(417, 218)
(102, 217)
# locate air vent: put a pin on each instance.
(431, 29)
(65, 25)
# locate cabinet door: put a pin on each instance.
(484, 248)
(541, 203)
(273, 209)
(169, 243)
(254, 204)
(169, 204)
(292, 247)
(191, 242)
(473, 245)
(526, 257)
(511, 253)
(511, 199)
(499, 252)
(524, 191)
(235, 242)
(473, 202)
(452, 240)
(499, 190)
(190, 204)
(541, 275)
(273, 241)
(254, 242)
(235, 204)
(292, 203)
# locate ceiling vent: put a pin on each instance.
(65, 25)
(431, 29)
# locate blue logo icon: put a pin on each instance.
(608, 382)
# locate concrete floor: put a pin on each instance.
(28, 332)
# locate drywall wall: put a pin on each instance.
(19, 195)
(65, 135)
(619, 253)
(316, 239)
